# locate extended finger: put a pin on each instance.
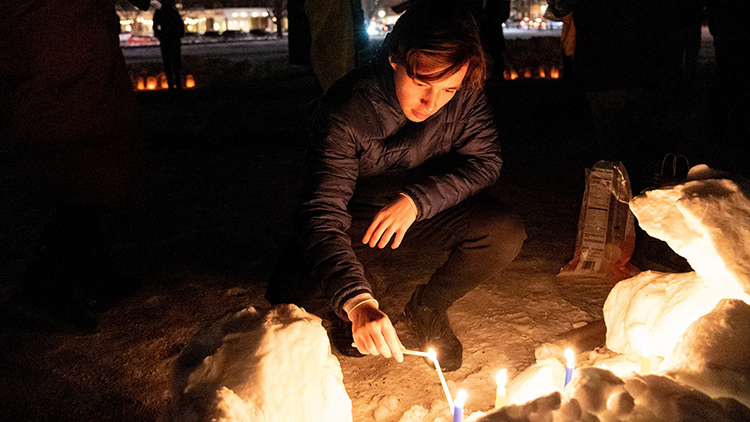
(382, 345)
(394, 344)
(360, 346)
(370, 230)
(378, 236)
(398, 239)
(369, 347)
(386, 237)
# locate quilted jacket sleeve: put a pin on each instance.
(322, 213)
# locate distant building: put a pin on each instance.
(230, 15)
(201, 20)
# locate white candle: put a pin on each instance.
(645, 356)
(570, 365)
(433, 358)
(458, 407)
(502, 379)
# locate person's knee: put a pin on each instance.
(503, 227)
(509, 232)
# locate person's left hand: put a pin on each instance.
(373, 333)
(392, 220)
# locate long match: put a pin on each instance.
(415, 353)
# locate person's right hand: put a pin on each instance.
(374, 334)
(392, 221)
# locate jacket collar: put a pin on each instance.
(384, 74)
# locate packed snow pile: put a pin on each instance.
(596, 394)
(657, 308)
(677, 345)
(707, 221)
(261, 366)
(713, 353)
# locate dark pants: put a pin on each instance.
(481, 235)
(172, 56)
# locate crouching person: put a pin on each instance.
(400, 155)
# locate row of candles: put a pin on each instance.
(457, 406)
(528, 73)
(152, 83)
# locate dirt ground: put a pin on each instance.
(224, 165)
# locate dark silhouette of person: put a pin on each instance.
(169, 29)
(71, 156)
(629, 61)
(610, 69)
(694, 17)
(328, 35)
(730, 125)
(562, 11)
(493, 14)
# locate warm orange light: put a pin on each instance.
(189, 81)
(513, 74)
(554, 73)
(140, 84)
(542, 74)
(163, 81)
(527, 74)
(500, 393)
(151, 83)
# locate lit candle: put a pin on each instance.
(502, 379)
(433, 358)
(570, 365)
(458, 407)
(645, 357)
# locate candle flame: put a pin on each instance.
(460, 399)
(569, 356)
(645, 347)
(502, 378)
(432, 354)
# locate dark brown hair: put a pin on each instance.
(445, 34)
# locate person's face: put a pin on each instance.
(419, 99)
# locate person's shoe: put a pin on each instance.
(340, 335)
(433, 330)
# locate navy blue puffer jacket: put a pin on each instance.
(363, 149)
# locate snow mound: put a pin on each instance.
(659, 307)
(260, 366)
(712, 355)
(596, 394)
(705, 221)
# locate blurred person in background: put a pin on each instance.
(730, 126)
(71, 154)
(328, 35)
(562, 11)
(169, 29)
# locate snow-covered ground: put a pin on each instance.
(225, 164)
